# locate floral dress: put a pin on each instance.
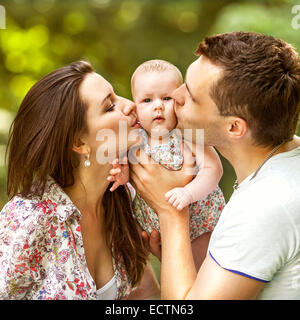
(204, 214)
(41, 250)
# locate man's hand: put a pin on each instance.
(152, 243)
(152, 181)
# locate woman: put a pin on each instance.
(63, 234)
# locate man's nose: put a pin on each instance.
(178, 96)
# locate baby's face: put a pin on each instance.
(152, 95)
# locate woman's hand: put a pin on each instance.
(152, 181)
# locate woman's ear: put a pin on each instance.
(236, 127)
(80, 147)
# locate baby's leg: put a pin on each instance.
(145, 215)
(204, 214)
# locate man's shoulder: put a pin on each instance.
(278, 184)
(266, 196)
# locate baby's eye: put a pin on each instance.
(147, 100)
(167, 98)
(111, 108)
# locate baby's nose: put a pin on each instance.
(158, 105)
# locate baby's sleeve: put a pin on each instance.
(132, 191)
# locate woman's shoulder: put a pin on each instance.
(20, 212)
(37, 210)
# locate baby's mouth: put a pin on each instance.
(159, 118)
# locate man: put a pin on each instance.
(244, 91)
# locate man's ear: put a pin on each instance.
(236, 127)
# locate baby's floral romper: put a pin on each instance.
(204, 214)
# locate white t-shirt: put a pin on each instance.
(258, 234)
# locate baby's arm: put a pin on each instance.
(204, 182)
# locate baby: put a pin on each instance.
(152, 85)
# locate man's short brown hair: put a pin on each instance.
(260, 83)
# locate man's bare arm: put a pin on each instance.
(179, 278)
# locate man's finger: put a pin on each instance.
(189, 160)
(155, 247)
(146, 240)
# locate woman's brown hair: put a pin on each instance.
(48, 122)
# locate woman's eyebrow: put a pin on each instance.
(107, 97)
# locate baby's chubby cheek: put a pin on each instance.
(144, 118)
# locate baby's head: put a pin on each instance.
(152, 84)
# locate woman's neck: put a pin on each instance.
(89, 187)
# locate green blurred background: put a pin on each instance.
(116, 36)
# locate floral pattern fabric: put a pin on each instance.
(41, 250)
(204, 214)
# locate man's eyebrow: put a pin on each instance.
(189, 91)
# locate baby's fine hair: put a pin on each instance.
(156, 65)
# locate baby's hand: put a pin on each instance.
(119, 173)
(179, 198)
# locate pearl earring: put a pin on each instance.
(87, 162)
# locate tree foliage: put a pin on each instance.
(116, 36)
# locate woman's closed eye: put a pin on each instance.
(110, 108)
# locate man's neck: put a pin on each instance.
(246, 158)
